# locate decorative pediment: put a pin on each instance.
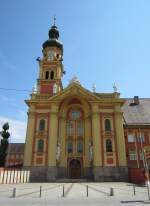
(77, 90)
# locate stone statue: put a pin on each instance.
(94, 87)
(90, 151)
(74, 80)
(34, 90)
(115, 87)
(58, 151)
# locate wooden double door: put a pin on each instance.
(75, 169)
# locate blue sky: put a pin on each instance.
(105, 41)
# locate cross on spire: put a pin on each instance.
(54, 20)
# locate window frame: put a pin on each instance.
(132, 155)
(80, 149)
(42, 127)
(40, 148)
(107, 125)
(109, 147)
(129, 137)
(69, 151)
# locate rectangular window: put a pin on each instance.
(80, 147)
(131, 138)
(70, 147)
(132, 155)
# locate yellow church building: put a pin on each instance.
(72, 132)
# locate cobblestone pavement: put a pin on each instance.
(72, 194)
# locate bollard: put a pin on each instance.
(134, 189)
(111, 191)
(63, 191)
(14, 192)
(40, 191)
(87, 191)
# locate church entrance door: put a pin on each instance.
(75, 169)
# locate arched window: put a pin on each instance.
(42, 125)
(47, 75)
(80, 147)
(40, 145)
(107, 125)
(108, 145)
(52, 75)
(70, 147)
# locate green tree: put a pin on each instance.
(4, 143)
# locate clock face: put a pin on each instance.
(50, 55)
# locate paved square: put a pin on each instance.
(74, 194)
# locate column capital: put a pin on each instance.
(31, 114)
(54, 109)
(95, 109)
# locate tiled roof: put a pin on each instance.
(137, 114)
(16, 148)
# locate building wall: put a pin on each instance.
(134, 149)
(94, 116)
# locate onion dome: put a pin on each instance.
(53, 38)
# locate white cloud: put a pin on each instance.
(17, 128)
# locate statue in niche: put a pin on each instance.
(58, 151)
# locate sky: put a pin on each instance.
(105, 41)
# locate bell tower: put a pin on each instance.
(51, 67)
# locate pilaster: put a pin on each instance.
(120, 137)
(97, 157)
(29, 139)
(53, 135)
(62, 140)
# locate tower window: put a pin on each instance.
(52, 75)
(42, 125)
(107, 125)
(40, 145)
(108, 145)
(47, 75)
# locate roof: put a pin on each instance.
(16, 148)
(136, 114)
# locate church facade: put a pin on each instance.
(72, 132)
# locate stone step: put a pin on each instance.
(65, 180)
